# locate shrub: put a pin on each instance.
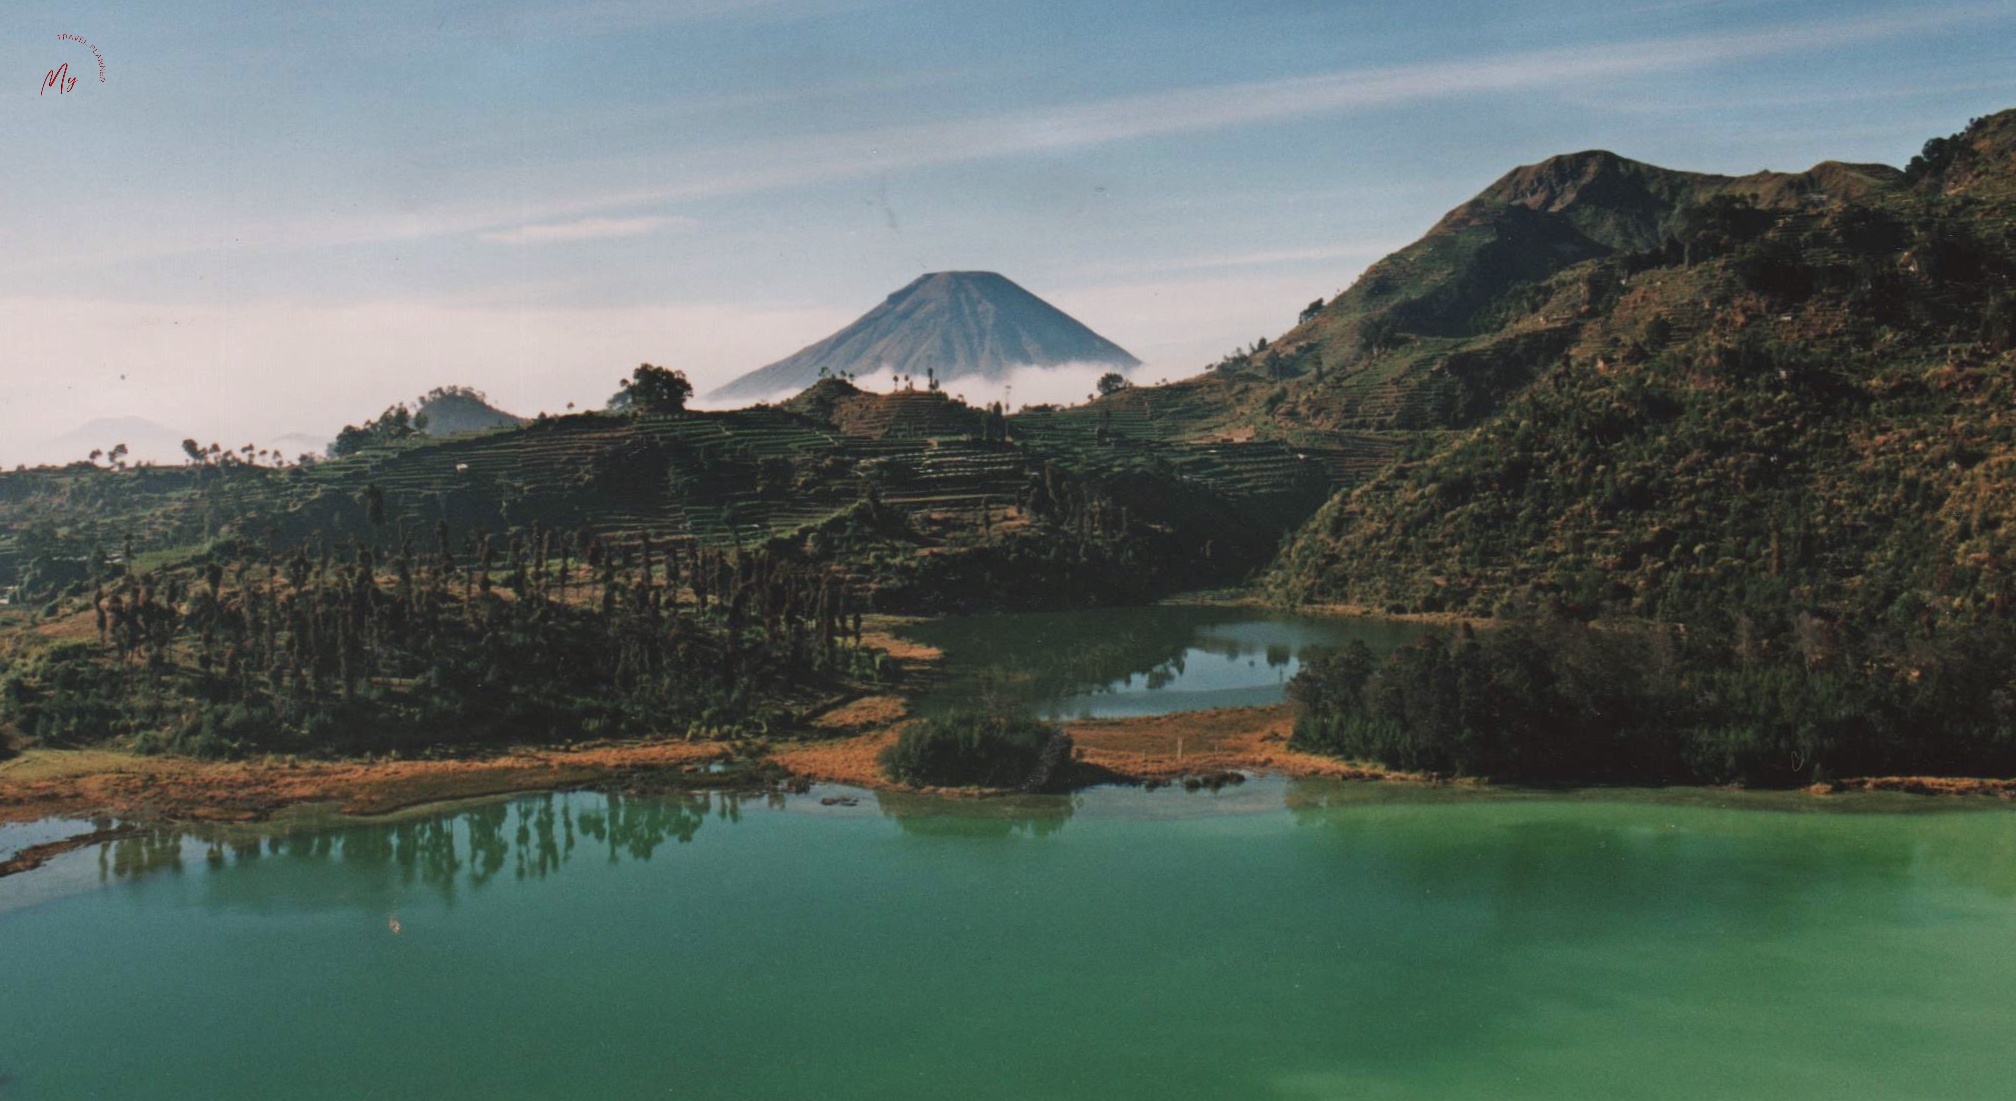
(968, 749)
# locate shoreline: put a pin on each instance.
(1195, 748)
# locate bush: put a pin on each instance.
(968, 749)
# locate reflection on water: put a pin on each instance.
(930, 816)
(1282, 940)
(1432, 842)
(1119, 662)
(530, 837)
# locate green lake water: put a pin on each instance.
(1288, 940)
(1120, 662)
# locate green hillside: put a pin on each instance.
(1760, 431)
(1791, 405)
(926, 504)
(1769, 443)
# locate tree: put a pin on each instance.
(1110, 383)
(195, 451)
(652, 389)
(394, 424)
(1309, 311)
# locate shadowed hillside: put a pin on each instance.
(1792, 388)
(925, 503)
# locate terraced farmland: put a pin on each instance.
(917, 469)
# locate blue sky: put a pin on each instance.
(270, 220)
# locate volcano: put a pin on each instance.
(952, 324)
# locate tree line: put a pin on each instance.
(536, 635)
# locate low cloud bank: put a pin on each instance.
(1064, 384)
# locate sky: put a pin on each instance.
(266, 221)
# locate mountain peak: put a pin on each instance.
(953, 324)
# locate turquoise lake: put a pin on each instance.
(1283, 939)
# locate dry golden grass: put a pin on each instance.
(46, 782)
(841, 761)
(869, 712)
(902, 649)
(1234, 738)
(75, 627)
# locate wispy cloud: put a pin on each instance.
(778, 164)
(1834, 97)
(584, 229)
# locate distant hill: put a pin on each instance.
(954, 324)
(145, 440)
(453, 410)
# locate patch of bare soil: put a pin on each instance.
(1922, 785)
(866, 713)
(45, 783)
(840, 761)
(1165, 747)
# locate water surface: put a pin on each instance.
(1124, 662)
(1289, 940)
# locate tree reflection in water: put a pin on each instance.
(933, 816)
(534, 837)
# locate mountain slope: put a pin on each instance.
(1796, 405)
(1434, 336)
(952, 324)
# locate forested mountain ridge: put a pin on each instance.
(1434, 335)
(1768, 396)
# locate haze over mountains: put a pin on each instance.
(450, 411)
(950, 325)
(1599, 383)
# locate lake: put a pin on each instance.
(1125, 662)
(1284, 939)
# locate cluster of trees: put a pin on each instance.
(1560, 701)
(1939, 154)
(537, 635)
(395, 424)
(970, 749)
(1240, 357)
(653, 390)
(250, 455)
(116, 457)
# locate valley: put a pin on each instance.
(1758, 426)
